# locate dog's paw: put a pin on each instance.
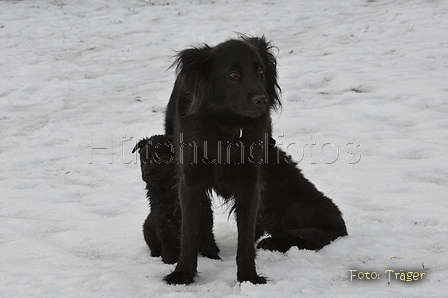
(179, 278)
(170, 257)
(274, 244)
(267, 244)
(211, 252)
(255, 279)
(310, 238)
(211, 255)
(155, 253)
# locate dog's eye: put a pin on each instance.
(260, 71)
(234, 75)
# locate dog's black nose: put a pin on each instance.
(260, 100)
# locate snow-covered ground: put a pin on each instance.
(365, 94)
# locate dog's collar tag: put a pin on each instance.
(241, 133)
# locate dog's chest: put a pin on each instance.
(233, 153)
(230, 179)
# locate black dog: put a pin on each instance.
(293, 212)
(219, 118)
(161, 229)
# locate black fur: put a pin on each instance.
(218, 118)
(220, 92)
(161, 229)
(292, 212)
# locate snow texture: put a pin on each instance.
(365, 111)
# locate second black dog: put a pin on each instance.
(292, 211)
(161, 229)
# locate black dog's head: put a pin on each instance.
(238, 76)
(156, 159)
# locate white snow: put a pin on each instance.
(365, 94)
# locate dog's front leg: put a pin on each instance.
(208, 247)
(246, 203)
(190, 199)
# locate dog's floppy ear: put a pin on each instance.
(140, 145)
(193, 69)
(264, 48)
